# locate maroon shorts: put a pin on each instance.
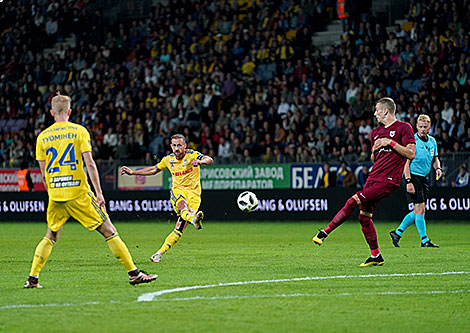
(372, 193)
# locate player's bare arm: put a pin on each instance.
(149, 171)
(94, 177)
(206, 160)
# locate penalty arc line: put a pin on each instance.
(148, 297)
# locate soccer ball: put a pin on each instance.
(247, 201)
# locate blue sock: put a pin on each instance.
(408, 220)
(421, 226)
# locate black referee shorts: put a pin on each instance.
(421, 189)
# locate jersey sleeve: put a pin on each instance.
(85, 141)
(436, 152)
(162, 165)
(198, 155)
(408, 135)
(372, 139)
(40, 153)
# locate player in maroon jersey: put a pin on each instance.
(392, 144)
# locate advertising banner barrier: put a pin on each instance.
(278, 205)
(242, 177)
(9, 180)
(309, 176)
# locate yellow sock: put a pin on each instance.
(43, 250)
(170, 240)
(187, 215)
(120, 251)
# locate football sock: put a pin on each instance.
(421, 226)
(120, 251)
(187, 215)
(368, 229)
(170, 240)
(43, 250)
(342, 215)
(408, 220)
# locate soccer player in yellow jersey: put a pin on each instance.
(60, 151)
(185, 194)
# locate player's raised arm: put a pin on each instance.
(149, 171)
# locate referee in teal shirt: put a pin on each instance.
(417, 186)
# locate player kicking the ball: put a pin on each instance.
(60, 151)
(185, 194)
(393, 144)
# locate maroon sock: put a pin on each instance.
(368, 229)
(342, 215)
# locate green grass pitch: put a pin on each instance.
(86, 289)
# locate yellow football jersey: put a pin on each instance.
(184, 174)
(61, 146)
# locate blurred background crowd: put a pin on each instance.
(241, 79)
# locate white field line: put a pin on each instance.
(150, 296)
(198, 298)
(147, 297)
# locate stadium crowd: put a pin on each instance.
(241, 79)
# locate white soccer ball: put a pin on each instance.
(247, 201)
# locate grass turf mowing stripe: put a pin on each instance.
(150, 296)
(202, 298)
(147, 297)
(383, 293)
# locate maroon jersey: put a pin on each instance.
(388, 166)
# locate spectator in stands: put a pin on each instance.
(131, 72)
(362, 176)
(329, 177)
(25, 182)
(462, 179)
(345, 177)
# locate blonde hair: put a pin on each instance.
(425, 118)
(61, 103)
(388, 104)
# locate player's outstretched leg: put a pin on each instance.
(170, 240)
(339, 218)
(197, 220)
(320, 237)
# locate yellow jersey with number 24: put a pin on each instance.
(61, 145)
